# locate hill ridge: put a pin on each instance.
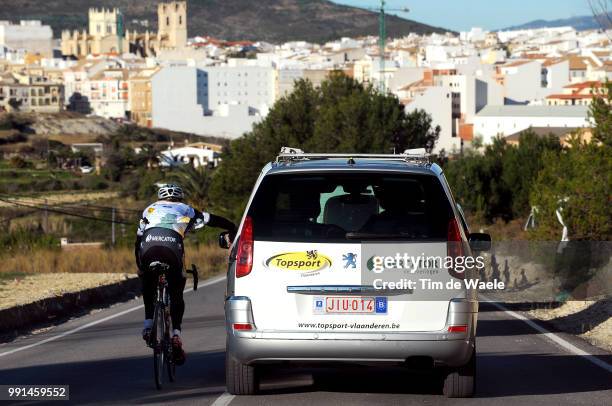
(265, 20)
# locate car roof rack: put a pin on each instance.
(417, 156)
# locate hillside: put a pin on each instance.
(267, 20)
(581, 23)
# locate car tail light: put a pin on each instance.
(243, 326)
(454, 247)
(457, 329)
(244, 255)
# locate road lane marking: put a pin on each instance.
(223, 400)
(552, 336)
(94, 323)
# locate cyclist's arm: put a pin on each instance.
(137, 251)
(213, 220)
(139, 232)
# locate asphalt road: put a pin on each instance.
(106, 362)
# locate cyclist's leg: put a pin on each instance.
(148, 282)
(176, 285)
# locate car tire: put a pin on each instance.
(240, 379)
(461, 382)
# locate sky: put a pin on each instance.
(461, 15)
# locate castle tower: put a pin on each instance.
(172, 22)
(103, 22)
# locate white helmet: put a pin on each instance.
(170, 191)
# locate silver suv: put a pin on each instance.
(335, 260)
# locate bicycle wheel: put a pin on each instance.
(170, 366)
(159, 350)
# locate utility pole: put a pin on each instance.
(46, 223)
(113, 227)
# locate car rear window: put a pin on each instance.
(350, 207)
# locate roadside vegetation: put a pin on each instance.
(503, 183)
(209, 259)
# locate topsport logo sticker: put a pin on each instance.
(305, 261)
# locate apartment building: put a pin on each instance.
(29, 35)
(99, 87)
(521, 79)
(224, 101)
(140, 97)
(38, 96)
(576, 94)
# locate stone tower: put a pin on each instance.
(103, 22)
(172, 22)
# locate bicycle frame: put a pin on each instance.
(162, 347)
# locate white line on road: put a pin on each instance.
(551, 336)
(223, 400)
(93, 323)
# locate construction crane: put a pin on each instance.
(382, 38)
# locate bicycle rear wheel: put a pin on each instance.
(171, 368)
(159, 349)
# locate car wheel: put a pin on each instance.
(240, 379)
(461, 382)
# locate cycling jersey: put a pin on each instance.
(175, 216)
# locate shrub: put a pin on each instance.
(18, 162)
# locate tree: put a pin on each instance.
(600, 113)
(498, 182)
(194, 181)
(579, 181)
(148, 156)
(602, 11)
(521, 166)
(342, 115)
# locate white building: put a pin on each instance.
(438, 102)
(476, 34)
(224, 101)
(522, 81)
(108, 92)
(29, 35)
(493, 121)
(196, 155)
(555, 74)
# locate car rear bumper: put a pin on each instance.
(259, 350)
(442, 347)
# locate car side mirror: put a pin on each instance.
(480, 241)
(224, 241)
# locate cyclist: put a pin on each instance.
(160, 239)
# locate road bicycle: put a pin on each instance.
(160, 339)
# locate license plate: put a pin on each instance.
(350, 305)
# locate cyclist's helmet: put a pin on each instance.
(170, 192)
